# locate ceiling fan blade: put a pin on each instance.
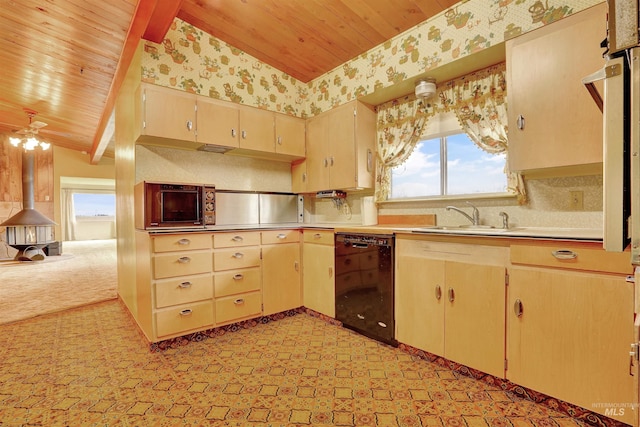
(37, 125)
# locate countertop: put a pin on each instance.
(584, 234)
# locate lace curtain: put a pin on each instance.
(479, 102)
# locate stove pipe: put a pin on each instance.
(28, 215)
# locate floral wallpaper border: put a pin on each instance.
(194, 61)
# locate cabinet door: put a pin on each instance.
(281, 284)
(342, 148)
(217, 123)
(545, 68)
(572, 339)
(169, 113)
(256, 130)
(317, 157)
(290, 135)
(318, 278)
(299, 177)
(474, 316)
(419, 304)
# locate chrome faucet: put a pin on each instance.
(505, 220)
(475, 218)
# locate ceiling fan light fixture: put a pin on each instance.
(29, 142)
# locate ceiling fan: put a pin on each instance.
(29, 140)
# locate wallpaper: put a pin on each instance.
(193, 61)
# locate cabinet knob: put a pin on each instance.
(296, 266)
(184, 241)
(186, 312)
(279, 140)
(233, 132)
(326, 162)
(238, 255)
(520, 122)
(244, 134)
(185, 285)
(189, 125)
(237, 238)
(238, 277)
(317, 236)
(184, 260)
(518, 308)
(369, 160)
(239, 301)
(304, 177)
(438, 292)
(452, 294)
(331, 160)
(282, 236)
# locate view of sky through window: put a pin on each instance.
(90, 204)
(469, 170)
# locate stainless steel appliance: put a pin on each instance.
(364, 284)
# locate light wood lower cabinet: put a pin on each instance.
(570, 329)
(281, 271)
(450, 301)
(318, 271)
(237, 276)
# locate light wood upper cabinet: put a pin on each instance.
(257, 129)
(218, 123)
(168, 113)
(553, 122)
(290, 135)
(341, 148)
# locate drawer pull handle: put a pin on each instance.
(233, 132)
(296, 266)
(518, 308)
(452, 295)
(520, 122)
(184, 241)
(239, 301)
(238, 255)
(237, 238)
(186, 312)
(438, 292)
(185, 285)
(564, 254)
(238, 277)
(282, 236)
(184, 260)
(317, 236)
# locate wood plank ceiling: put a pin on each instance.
(65, 59)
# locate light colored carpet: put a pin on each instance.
(85, 273)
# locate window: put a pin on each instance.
(450, 164)
(94, 204)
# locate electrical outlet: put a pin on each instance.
(576, 202)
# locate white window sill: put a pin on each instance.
(505, 197)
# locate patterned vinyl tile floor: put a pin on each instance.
(90, 366)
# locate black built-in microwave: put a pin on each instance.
(166, 205)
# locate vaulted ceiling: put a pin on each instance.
(66, 60)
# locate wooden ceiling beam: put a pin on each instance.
(161, 20)
(144, 13)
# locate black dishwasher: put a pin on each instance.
(364, 284)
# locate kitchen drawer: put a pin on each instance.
(181, 242)
(280, 236)
(347, 263)
(235, 258)
(181, 264)
(184, 318)
(235, 239)
(236, 282)
(573, 256)
(323, 237)
(238, 307)
(183, 290)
